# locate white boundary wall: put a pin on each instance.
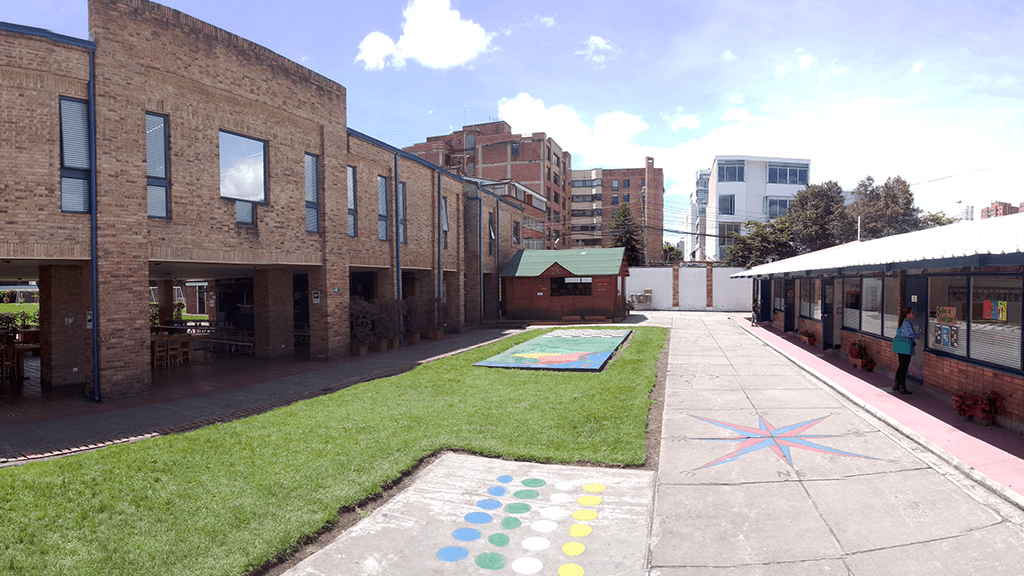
(729, 295)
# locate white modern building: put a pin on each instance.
(695, 219)
(741, 189)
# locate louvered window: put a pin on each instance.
(401, 212)
(157, 182)
(382, 207)
(76, 167)
(312, 193)
(352, 201)
(996, 321)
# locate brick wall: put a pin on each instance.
(957, 377)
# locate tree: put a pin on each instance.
(764, 242)
(936, 219)
(626, 234)
(670, 253)
(885, 210)
(819, 218)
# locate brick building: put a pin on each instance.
(998, 209)
(491, 151)
(164, 143)
(569, 285)
(494, 226)
(598, 193)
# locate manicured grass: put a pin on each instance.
(30, 308)
(195, 317)
(227, 498)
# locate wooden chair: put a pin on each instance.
(185, 350)
(160, 352)
(173, 351)
(8, 364)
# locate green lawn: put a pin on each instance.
(30, 308)
(226, 498)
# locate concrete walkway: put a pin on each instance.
(766, 469)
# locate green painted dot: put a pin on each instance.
(517, 508)
(500, 540)
(533, 482)
(491, 561)
(511, 523)
(526, 494)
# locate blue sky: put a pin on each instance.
(932, 91)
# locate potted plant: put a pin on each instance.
(965, 404)
(986, 407)
(388, 327)
(858, 355)
(415, 319)
(435, 318)
(361, 316)
(808, 337)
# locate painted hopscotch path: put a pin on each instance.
(566, 349)
(474, 515)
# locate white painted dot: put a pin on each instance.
(554, 513)
(527, 565)
(544, 526)
(561, 497)
(536, 543)
(564, 485)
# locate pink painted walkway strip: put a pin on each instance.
(996, 453)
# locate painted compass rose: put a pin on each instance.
(778, 440)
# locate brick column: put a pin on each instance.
(65, 293)
(675, 285)
(274, 312)
(710, 282)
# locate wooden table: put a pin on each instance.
(19, 351)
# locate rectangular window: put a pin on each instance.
(556, 180)
(515, 148)
(778, 297)
(401, 212)
(726, 230)
(576, 286)
(245, 212)
(643, 182)
(890, 306)
(776, 207)
(727, 204)
(243, 168)
(75, 165)
(352, 201)
(871, 302)
(615, 184)
(816, 299)
(996, 321)
(615, 199)
(851, 303)
(382, 207)
(157, 205)
(805, 297)
(312, 193)
(491, 235)
(625, 183)
(787, 173)
(515, 232)
(730, 171)
(444, 222)
(947, 315)
(625, 197)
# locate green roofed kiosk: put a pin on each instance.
(566, 285)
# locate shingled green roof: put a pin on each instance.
(587, 262)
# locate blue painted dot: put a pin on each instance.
(504, 479)
(496, 491)
(489, 504)
(452, 553)
(478, 518)
(466, 534)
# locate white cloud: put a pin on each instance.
(680, 120)
(736, 114)
(789, 62)
(806, 60)
(426, 22)
(918, 66)
(597, 50)
(728, 56)
(736, 99)
(548, 21)
(244, 180)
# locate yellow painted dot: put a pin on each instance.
(574, 549)
(570, 570)
(589, 500)
(593, 488)
(580, 530)
(584, 514)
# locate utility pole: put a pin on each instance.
(643, 218)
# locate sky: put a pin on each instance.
(931, 90)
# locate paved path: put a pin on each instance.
(766, 470)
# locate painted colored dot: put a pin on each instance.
(564, 485)
(452, 553)
(544, 526)
(511, 523)
(554, 513)
(584, 514)
(536, 543)
(466, 534)
(496, 490)
(570, 570)
(504, 479)
(589, 500)
(526, 494)
(533, 482)
(527, 566)
(500, 540)
(491, 561)
(561, 497)
(489, 504)
(580, 530)
(573, 549)
(478, 517)
(517, 508)
(594, 488)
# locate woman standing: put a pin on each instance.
(906, 331)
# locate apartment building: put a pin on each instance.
(998, 209)
(491, 151)
(695, 242)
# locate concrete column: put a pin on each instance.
(65, 342)
(165, 297)
(274, 312)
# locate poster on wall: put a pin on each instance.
(947, 336)
(945, 315)
(995, 310)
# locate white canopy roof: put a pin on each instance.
(987, 242)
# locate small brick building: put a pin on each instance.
(570, 285)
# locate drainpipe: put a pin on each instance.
(93, 231)
(497, 254)
(398, 237)
(440, 217)
(479, 251)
